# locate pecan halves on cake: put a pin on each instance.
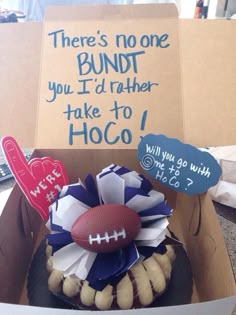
(165, 264)
(125, 293)
(141, 285)
(55, 281)
(71, 286)
(104, 298)
(87, 294)
(155, 274)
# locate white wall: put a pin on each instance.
(186, 7)
(9, 4)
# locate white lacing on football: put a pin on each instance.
(146, 279)
(106, 237)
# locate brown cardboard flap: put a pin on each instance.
(125, 69)
(205, 245)
(208, 66)
(20, 46)
(19, 226)
(111, 12)
(209, 75)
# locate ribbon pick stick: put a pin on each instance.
(40, 179)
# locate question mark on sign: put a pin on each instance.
(190, 182)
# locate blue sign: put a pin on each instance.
(178, 166)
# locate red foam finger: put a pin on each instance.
(60, 169)
(37, 168)
(40, 180)
(57, 171)
(17, 162)
(47, 164)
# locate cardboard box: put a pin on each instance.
(21, 228)
(212, 273)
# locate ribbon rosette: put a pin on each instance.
(114, 185)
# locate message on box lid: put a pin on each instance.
(105, 83)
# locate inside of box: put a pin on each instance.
(194, 222)
(204, 242)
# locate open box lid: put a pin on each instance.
(98, 85)
(208, 69)
(113, 106)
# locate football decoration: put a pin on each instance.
(101, 228)
(106, 228)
